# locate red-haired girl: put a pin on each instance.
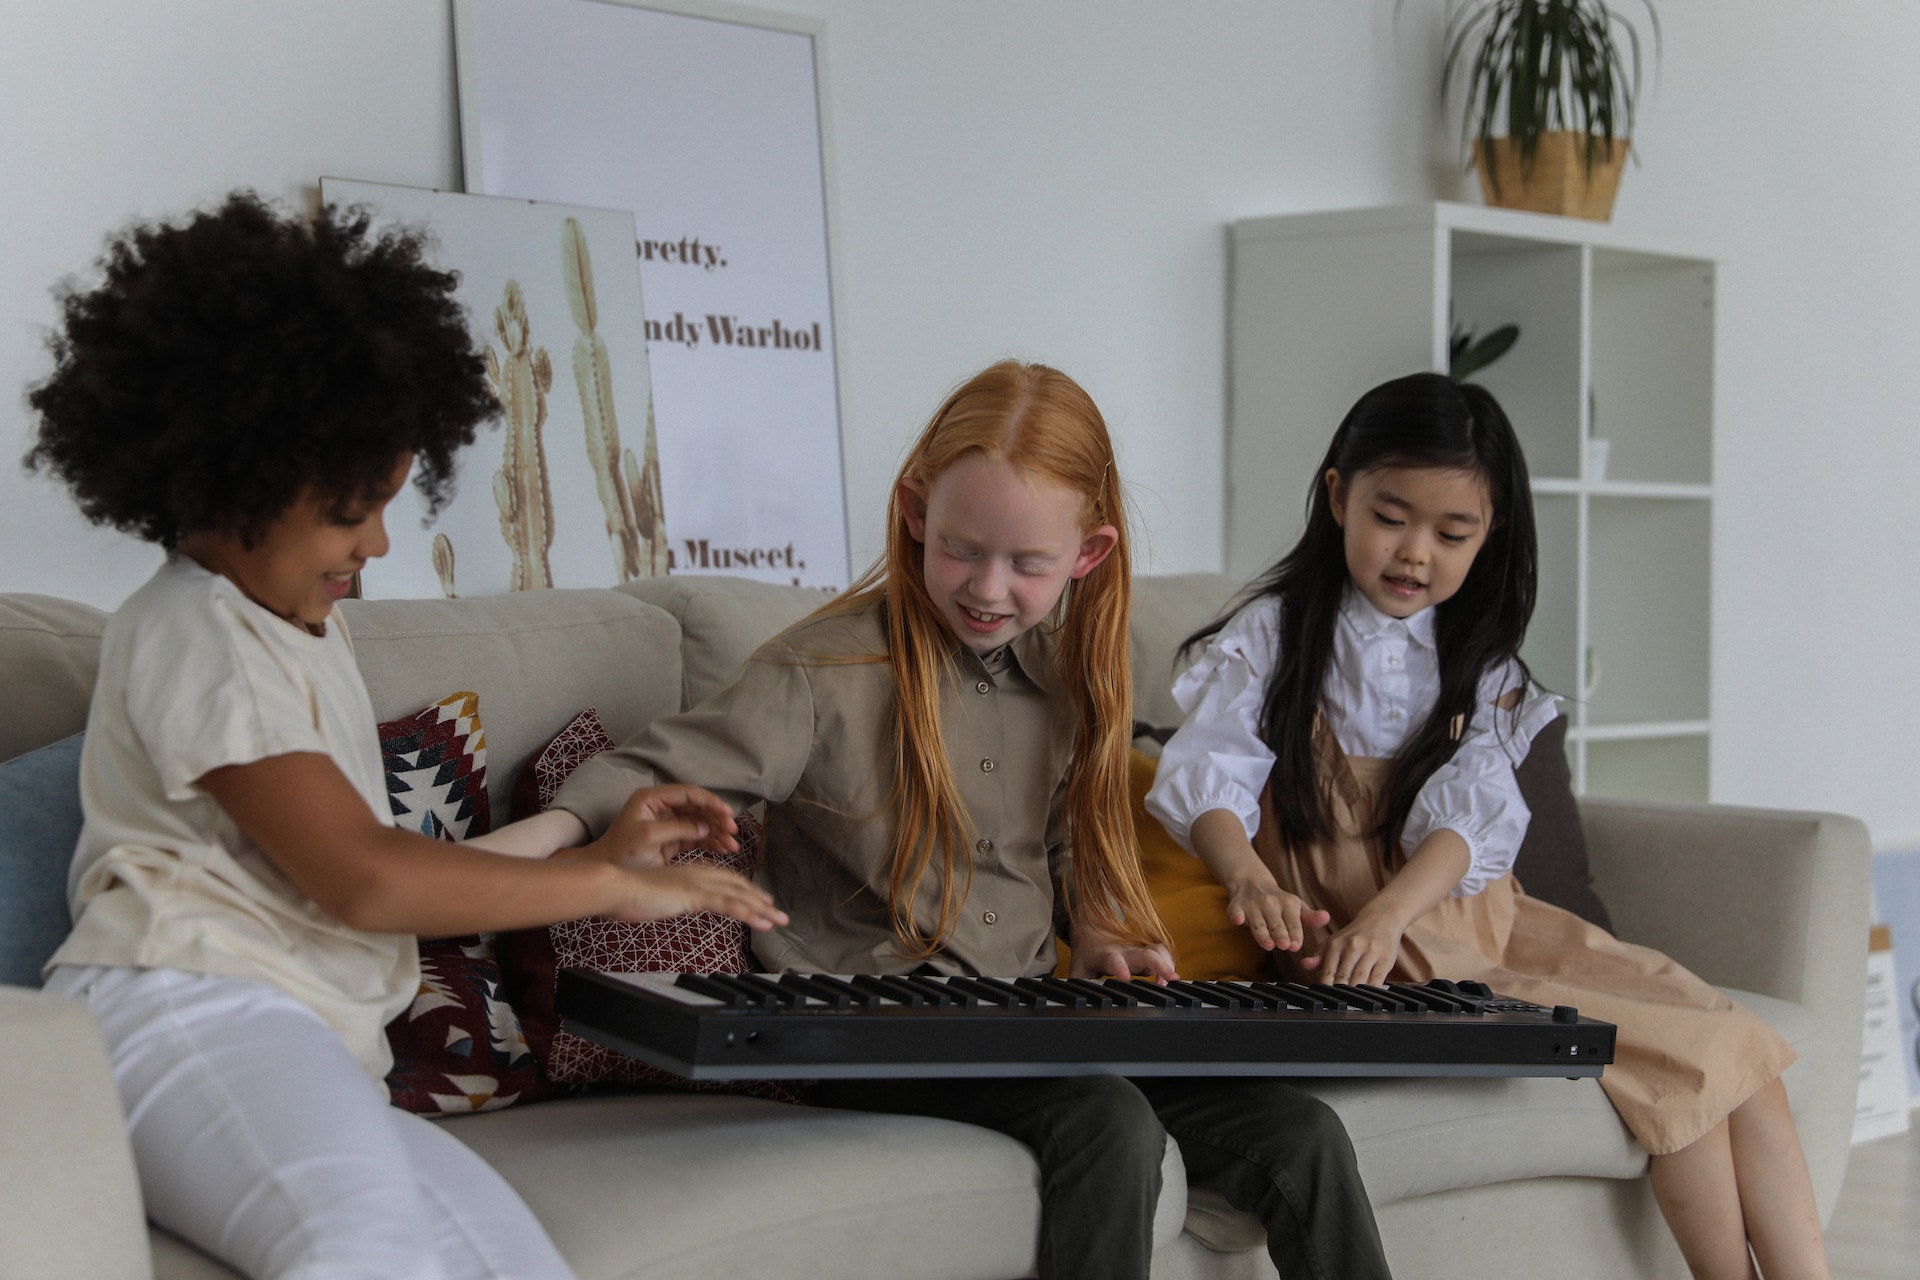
(943, 750)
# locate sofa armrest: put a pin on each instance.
(1765, 900)
(69, 1199)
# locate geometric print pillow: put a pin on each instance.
(701, 942)
(436, 763)
(458, 1047)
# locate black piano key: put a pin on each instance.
(1011, 996)
(702, 984)
(938, 993)
(1282, 997)
(1097, 993)
(1355, 998)
(994, 991)
(767, 997)
(1435, 1001)
(1126, 993)
(859, 998)
(1196, 991)
(768, 988)
(1051, 992)
(888, 990)
(1314, 996)
(1152, 995)
(1393, 1000)
(1230, 998)
(816, 990)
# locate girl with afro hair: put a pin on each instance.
(249, 389)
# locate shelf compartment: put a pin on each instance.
(1666, 768)
(1649, 639)
(1651, 391)
(1496, 281)
(1552, 649)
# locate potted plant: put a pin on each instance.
(1558, 77)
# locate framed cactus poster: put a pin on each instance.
(566, 490)
(706, 120)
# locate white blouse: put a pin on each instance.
(1380, 688)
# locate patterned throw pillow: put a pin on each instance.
(458, 1047)
(699, 943)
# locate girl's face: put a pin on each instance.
(999, 547)
(303, 563)
(1411, 532)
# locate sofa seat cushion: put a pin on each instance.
(1419, 1136)
(742, 1186)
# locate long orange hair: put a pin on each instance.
(1039, 421)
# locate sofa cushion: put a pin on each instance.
(50, 650)
(1166, 610)
(723, 621)
(39, 826)
(1552, 862)
(533, 657)
(1193, 905)
(742, 1186)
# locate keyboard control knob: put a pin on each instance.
(1565, 1013)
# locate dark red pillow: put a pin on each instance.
(459, 1046)
(702, 942)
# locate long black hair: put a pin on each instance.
(1424, 420)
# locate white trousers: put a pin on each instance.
(259, 1138)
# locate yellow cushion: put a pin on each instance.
(1206, 945)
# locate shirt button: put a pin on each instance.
(990, 917)
(983, 687)
(986, 766)
(984, 846)
(1393, 659)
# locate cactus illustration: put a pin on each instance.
(521, 379)
(629, 492)
(443, 564)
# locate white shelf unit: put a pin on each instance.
(1616, 344)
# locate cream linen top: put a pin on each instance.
(812, 735)
(194, 676)
(1380, 687)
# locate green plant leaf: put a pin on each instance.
(1469, 357)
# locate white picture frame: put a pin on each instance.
(709, 121)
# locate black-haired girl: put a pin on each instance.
(249, 389)
(1346, 771)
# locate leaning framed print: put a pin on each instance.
(566, 491)
(708, 122)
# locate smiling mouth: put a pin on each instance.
(1403, 586)
(983, 619)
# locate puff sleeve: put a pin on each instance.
(1475, 794)
(1218, 758)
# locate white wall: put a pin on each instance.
(1051, 178)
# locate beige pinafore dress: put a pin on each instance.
(1684, 1056)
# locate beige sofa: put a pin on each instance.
(1472, 1178)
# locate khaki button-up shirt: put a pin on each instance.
(812, 734)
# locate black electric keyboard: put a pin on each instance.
(818, 1026)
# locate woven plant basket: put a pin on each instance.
(1559, 181)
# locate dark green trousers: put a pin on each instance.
(1268, 1148)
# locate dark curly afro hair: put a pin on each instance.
(230, 362)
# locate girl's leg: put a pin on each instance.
(1776, 1192)
(1097, 1142)
(256, 1135)
(1699, 1195)
(483, 1229)
(1285, 1157)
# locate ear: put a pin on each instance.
(1094, 548)
(911, 494)
(1336, 496)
